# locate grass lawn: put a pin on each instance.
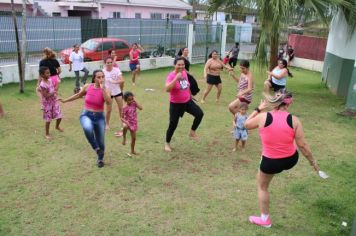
(54, 187)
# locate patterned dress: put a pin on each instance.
(130, 115)
(50, 105)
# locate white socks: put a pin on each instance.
(264, 217)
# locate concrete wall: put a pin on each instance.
(10, 72)
(351, 96)
(308, 64)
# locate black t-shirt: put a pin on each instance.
(52, 64)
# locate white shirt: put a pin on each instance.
(77, 60)
(110, 76)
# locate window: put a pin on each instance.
(56, 14)
(174, 16)
(116, 15)
(104, 47)
(121, 45)
(156, 16)
(138, 15)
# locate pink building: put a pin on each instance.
(145, 9)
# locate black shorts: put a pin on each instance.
(117, 95)
(232, 62)
(275, 166)
(276, 87)
(213, 79)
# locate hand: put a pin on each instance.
(263, 105)
(179, 76)
(269, 72)
(60, 100)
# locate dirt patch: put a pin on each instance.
(236, 164)
(348, 113)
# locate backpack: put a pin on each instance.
(194, 88)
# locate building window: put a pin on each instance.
(156, 16)
(138, 15)
(116, 15)
(121, 45)
(174, 16)
(56, 14)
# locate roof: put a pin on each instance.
(17, 2)
(177, 4)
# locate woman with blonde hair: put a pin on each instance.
(281, 134)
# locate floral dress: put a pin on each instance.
(50, 105)
(130, 115)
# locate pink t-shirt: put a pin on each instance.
(94, 99)
(112, 75)
(180, 92)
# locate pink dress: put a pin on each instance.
(50, 105)
(130, 115)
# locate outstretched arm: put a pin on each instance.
(80, 94)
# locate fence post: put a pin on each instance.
(223, 39)
(190, 40)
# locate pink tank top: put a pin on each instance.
(135, 54)
(278, 137)
(94, 99)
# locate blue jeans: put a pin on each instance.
(93, 124)
(84, 79)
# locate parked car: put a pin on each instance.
(96, 49)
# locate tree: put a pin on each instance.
(14, 18)
(273, 14)
(23, 47)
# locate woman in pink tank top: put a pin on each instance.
(92, 118)
(134, 61)
(279, 132)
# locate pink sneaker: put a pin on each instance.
(258, 221)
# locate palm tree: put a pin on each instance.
(273, 14)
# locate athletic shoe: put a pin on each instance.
(100, 164)
(258, 221)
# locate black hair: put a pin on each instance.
(178, 59)
(180, 52)
(135, 44)
(211, 53)
(42, 70)
(127, 94)
(245, 63)
(108, 57)
(94, 74)
(285, 63)
(75, 45)
(237, 43)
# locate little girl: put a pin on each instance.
(129, 119)
(240, 131)
(51, 108)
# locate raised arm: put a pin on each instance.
(140, 48)
(80, 94)
(170, 85)
(257, 118)
(302, 143)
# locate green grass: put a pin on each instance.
(202, 188)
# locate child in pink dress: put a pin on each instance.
(129, 119)
(51, 108)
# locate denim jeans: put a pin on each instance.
(93, 124)
(84, 80)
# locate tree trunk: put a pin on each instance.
(17, 41)
(273, 57)
(23, 48)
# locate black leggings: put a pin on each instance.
(177, 110)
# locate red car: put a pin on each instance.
(97, 49)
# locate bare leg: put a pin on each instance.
(236, 145)
(263, 181)
(138, 71)
(108, 114)
(124, 134)
(133, 77)
(243, 143)
(219, 87)
(234, 106)
(267, 86)
(133, 142)
(2, 112)
(47, 130)
(58, 122)
(206, 92)
(193, 135)
(119, 107)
